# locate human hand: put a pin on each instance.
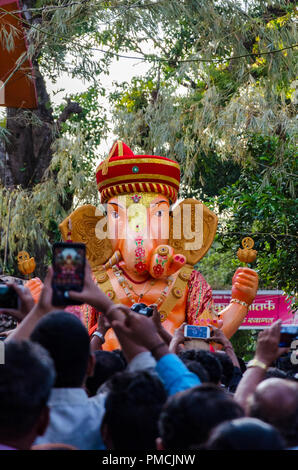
(44, 304)
(178, 338)
(137, 328)
(26, 302)
(103, 325)
(6, 333)
(245, 285)
(267, 349)
(218, 336)
(156, 317)
(91, 293)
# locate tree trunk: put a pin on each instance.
(32, 133)
(31, 136)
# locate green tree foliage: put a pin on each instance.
(30, 217)
(220, 98)
(261, 204)
(222, 76)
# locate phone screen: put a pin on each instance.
(69, 266)
(193, 331)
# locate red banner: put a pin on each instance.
(17, 83)
(267, 307)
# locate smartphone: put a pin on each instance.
(69, 271)
(8, 297)
(194, 331)
(288, 334)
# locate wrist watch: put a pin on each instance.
(257, 363)
(99, 335)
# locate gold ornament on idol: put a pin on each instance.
(144, 199)
(26, 265)
(130, 292)
(247, 254)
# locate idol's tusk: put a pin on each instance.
(115, 259)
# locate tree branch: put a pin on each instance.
(71, 108)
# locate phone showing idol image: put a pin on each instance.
(69, 272)
(196, 332)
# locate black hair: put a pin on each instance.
(274, 372)
(286, 364)
(188, 417)
(67, 340)
(245, 434)
(133, 405)
(227, 367)
(107, 363)
(198, 369)
(26, 379)
(208, 360)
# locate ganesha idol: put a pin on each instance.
(143, 248)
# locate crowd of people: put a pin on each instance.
(60, 390)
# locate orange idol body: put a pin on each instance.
(143, 248)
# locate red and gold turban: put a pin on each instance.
(123, 172)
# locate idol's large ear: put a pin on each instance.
(192, 229)
(87, 225)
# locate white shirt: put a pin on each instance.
(75, 419)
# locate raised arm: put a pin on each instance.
(43, 306)
(267, 351)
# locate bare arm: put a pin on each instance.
(267, 351)
(44, 305)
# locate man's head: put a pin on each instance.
(208, 360)
(198, 369)
(133, 406)
(227, 367)
(26, 379)
(66, 339)
(275, 401)
(107, 363)
(245, 434)
(188, 417)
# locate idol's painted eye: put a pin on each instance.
(115, 215)
(159, 213)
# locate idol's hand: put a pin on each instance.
(164, 263)
(245, 285)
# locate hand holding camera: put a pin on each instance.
(15, 300)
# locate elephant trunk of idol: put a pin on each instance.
(142, 256)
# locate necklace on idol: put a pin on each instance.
(129, 290)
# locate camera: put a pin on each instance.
(142, 309)
(8, 297)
